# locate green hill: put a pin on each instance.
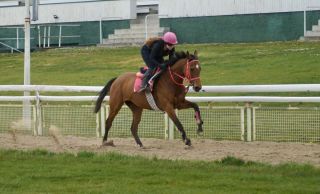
(223, 64)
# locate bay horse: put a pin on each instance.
(169, 94)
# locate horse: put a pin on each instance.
(169, 94)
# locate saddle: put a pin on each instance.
(140, 75)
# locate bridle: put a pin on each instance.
(186, 75)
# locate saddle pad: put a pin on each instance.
(137, 82)
(139, 77)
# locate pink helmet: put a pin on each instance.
(170, 37)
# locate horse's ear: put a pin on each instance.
(195, 53)
(187, 54)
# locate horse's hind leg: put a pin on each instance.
(114, 109)
(136, 114)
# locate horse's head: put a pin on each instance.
(192, 71)
(185, 68)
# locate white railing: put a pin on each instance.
(237, 123)
(47, 34)
(263, 88)
(248, 99)
(206, 89)
(45, 39)
(17, 38)
(10, 47)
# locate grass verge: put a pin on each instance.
(40, 171)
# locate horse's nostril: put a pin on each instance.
(197, 88)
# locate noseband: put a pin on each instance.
(187, 74)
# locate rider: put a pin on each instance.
(153, 52)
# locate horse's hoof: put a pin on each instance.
(140, 146)
(188, 142)
(188, 147)
(110, 143)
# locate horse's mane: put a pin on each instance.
(176, 57)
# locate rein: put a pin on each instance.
(186, 76)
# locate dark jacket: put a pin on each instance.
(153, 52)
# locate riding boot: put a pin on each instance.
(145, 80)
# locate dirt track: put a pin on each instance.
(209, 150)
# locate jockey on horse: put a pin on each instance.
(153, 52)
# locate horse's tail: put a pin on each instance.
(102, 94)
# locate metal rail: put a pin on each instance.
(12, 49)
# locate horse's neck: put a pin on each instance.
(167, 77)
(178, 67)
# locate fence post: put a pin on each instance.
(102, 120)
(49, 34)
(171, 130)
(17, 38)
(304, 22)
(100, 30)
(38, 115)
(105, 117)
(60, 33)
(39, 36)
(242, 123)
(249, 119)
(34, 109)
(170, 126)
(98, 124)
(166, 126)
(253, 123)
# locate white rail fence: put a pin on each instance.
(247, 123)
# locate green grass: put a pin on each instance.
(223, 64)
(44, 172)
(264, 63)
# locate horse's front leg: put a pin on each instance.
(187, 104)
(171, 113)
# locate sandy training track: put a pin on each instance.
(208, 150)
